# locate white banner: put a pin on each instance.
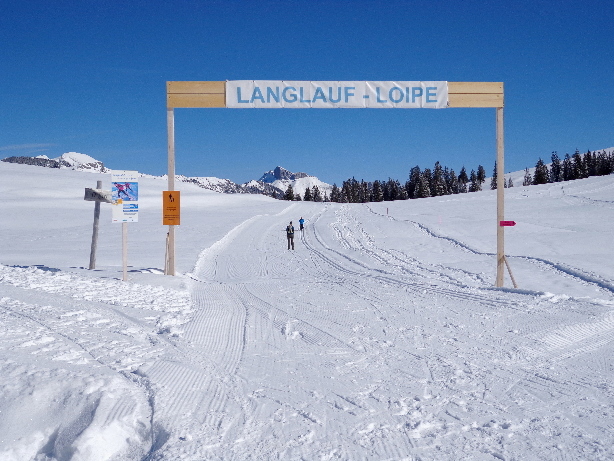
(277, 94)
(125, 190)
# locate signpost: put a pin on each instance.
(125, 189)
(171, 210)
(96, 195)
(279, 94)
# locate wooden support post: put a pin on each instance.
(509, 269)
(500, 200)
(170, 250)
(95, 230)
(125, 250)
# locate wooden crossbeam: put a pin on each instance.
(213, 94)
(475, 94)
(195, 94)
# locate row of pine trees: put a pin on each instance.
(444, 181)
(577, 166)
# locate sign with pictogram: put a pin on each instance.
(125, 195)
(171, 209)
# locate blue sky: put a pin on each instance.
(89, 76)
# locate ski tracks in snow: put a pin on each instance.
(347, 349)
(81, 343)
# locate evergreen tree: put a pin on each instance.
(426, 180)
(402, 192)
(424, 188)
(297, 197)
(453, 185)
(510, 183)
(527, 178)
(413, 181)
(391, 190)
(481, 176)
(604, 165)
(475, 185)
(568, 172)
(540, 176)
(317, 195)
(463, 179)
(346, 193)
(354, 191)
(350, 191)
(308, 197)
(378, 194)
(365, 192)
(439, 184)
(335, 194)
(556, 173)
(591, 163)
(289, 195)
(493, 180)
(578, 166)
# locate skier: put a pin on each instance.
(301, 222)
(120, 190)
(290, 235)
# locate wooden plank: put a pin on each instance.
(195, 100)
(196, 87)
(475, 100)
(475, 87)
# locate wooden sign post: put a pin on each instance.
(208, 94)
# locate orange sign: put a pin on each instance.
(171, 209)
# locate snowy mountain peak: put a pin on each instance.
(281, 174)
(81, 162)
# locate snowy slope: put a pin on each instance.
(301, 184)
(380, 337)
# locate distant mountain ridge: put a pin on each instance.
(273, 183)
(72, 160)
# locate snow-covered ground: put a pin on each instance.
(381, 337)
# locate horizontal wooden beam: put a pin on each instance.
(208, 94)
(195, 94)
(475, 94)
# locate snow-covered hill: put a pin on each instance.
(380, 337)
(71, 160)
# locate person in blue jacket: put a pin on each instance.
(301, 222)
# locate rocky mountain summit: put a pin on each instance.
(280, 173)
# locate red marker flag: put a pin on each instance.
(507, 223)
